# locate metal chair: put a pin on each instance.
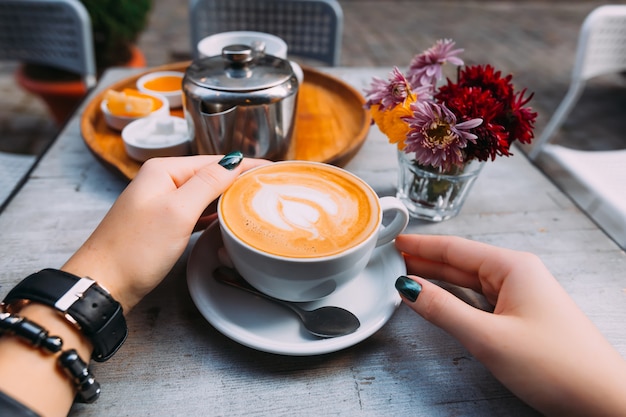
(601, 50)
(56, 33)
(313, 29)
(593, 179)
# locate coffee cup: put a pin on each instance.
(299, 230)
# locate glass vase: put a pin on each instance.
(430, 194)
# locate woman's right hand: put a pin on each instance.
(537, 342)
(147, 229)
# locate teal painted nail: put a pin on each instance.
(232, 160)
(409, 288)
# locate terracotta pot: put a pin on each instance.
(63, 97)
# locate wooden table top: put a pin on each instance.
(175, 363)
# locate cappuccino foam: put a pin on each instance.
(300, 210)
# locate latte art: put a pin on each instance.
(299, 211)
(303, 210)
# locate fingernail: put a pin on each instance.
(232, 160)
(409, 288)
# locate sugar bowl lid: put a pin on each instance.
(240, 68)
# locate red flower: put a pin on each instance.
(481, 92)
(523, 118)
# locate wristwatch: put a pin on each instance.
(81, 301)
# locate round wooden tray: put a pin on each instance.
(331, 123)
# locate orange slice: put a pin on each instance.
(131, 103)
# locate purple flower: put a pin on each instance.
(435, 136)
(425, 68)
(388, 94)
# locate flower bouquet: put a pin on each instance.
(445, 131)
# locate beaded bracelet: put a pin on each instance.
(30, 332)
(84, 381)
(88, 389)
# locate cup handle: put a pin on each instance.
(400, 220)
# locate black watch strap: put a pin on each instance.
(82, 301)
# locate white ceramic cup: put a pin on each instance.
(156, 136)
(174, 97)
(310, 277)
(212, 45)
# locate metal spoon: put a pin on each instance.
(327, 321)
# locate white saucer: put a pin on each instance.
(269, 327)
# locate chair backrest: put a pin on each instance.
(56, 33)
(601, 50)
(313, 29)
(601, 43)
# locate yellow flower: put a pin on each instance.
(390, 121)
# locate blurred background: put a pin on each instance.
(534, 40)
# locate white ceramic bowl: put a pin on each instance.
(156, 136)
(212, 45)
(174, 96)
(120, 122)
